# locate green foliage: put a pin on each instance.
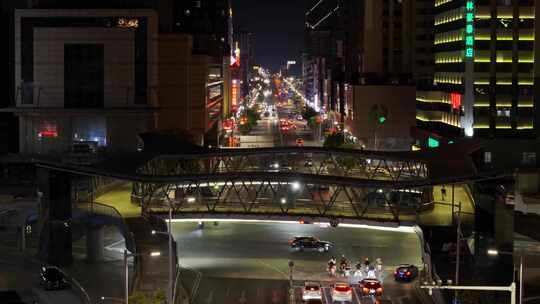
(253, 116)
(334, 140)
(309, 113)
(245, 128)
(159, 297)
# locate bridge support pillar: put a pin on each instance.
(94, 243)
(55, 217)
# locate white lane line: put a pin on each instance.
(273, 268)
(356, 295)
(210, 298)
(326, 297)
(112, 246)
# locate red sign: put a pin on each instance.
(235, 94)
(48, 130)
(455, 98)
(228, 124)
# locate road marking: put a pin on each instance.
(326, 296)
(356, 294)
(210, 298)
(243, 299)
(274, 268)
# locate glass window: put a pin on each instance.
(487, 157)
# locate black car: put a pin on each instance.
(310, 244)
(405, 272)
(52, 278)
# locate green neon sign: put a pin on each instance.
(469, 29)
(432, 142)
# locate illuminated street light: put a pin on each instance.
(295, 186)
(283, 200)
(493, 252)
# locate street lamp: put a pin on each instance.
(495, 252)
(126, 269)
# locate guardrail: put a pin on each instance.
(190, 293)
(80, 290)
(97, 209)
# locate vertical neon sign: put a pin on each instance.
(469, 29)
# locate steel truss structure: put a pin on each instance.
(285, 194)
(316, 161)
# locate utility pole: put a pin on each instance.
(458, 244)
(291, 289)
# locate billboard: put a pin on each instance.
(235, 94)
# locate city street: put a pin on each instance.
(248, 262)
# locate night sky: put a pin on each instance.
(277, 27)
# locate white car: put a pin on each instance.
(342, 292)
(311, 291)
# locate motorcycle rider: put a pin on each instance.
(332, 265)
(366, 262)
(343, 262)
(332, 262)
(358, 265)
(378, 263)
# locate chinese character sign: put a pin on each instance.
(469, 29)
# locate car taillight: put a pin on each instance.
(365, 290)
(379, 289)
(408, 273)
(395, 272)
(349, 291)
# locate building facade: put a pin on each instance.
(90, 78)
(484, 57)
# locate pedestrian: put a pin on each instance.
(443, 193)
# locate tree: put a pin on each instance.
(252, 116)
(245, 128)
(158, 297)
(311, 116)
(334, 140)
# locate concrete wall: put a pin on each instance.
(119, 63)
(182, 86)
(395, 133)
(174, 87)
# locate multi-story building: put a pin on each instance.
(245, 48)
(90, 78)
(485, 63)
(93, 74)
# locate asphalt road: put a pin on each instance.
(248, 262)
